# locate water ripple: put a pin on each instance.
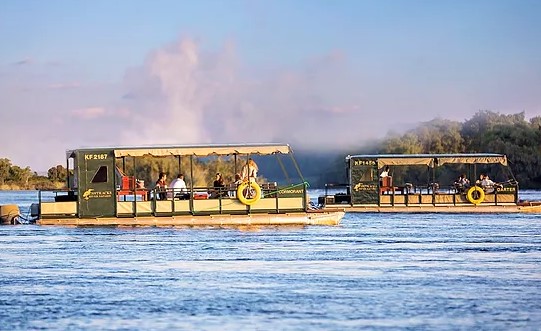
(375, 271)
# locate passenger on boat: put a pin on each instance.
(233, 186)
(481, 177)
(433, 188)
(386, 181)
(161, 186)
(249, 170)
(462, 183)
(179, 188)
(487, 184)
(385, 172)
(238, 179)
(219, 186)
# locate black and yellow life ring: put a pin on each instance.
(249, 192)
(475, 195)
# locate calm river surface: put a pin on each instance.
(374, 271)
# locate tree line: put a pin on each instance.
(17, 178)
(485, 132)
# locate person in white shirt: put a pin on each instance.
(249, 170)
(487, 184)
(179, 188)
(385, 173)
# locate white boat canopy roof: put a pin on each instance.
(196, 150)
(432, 160)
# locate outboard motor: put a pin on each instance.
(9, 214)
(34, 210)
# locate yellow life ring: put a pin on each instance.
(249, 192)
(480, 197)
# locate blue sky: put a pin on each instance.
(91, 73)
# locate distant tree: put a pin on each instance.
(512, 135)
(535, 122)
(441, 136)
(19, 175)
(57, 174)
(407, 144)
(474, 130)
(5, 165)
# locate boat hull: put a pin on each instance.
(292, 219)
(462, 209)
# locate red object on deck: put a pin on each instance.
(200, 196)
(128, 183)
(127, 187)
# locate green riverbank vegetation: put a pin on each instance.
(13, 177)
(485, 132)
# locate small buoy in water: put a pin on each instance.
(9, 214)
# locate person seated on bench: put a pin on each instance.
(233, 186)
(462, 183)
(488, 185)
(179, 188)
(219, 187)
(161, 186)
(238, 179)
(433, 188)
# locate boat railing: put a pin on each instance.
(436, 194)
(335, 193)
(195, 200)
(57, 195)
(211, 200)
(436, 188)
(55, 202)
(422, 193)
(268, 190)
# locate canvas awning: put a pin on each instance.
(501, 159)
(404, 161)
(432, 160)
(204, 150)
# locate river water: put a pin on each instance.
(374, 271)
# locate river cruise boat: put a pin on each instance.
(426, 183)
(105, 188)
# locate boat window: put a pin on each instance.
(100, 176)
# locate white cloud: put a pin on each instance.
(183, 94)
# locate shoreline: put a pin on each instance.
(32, 187)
